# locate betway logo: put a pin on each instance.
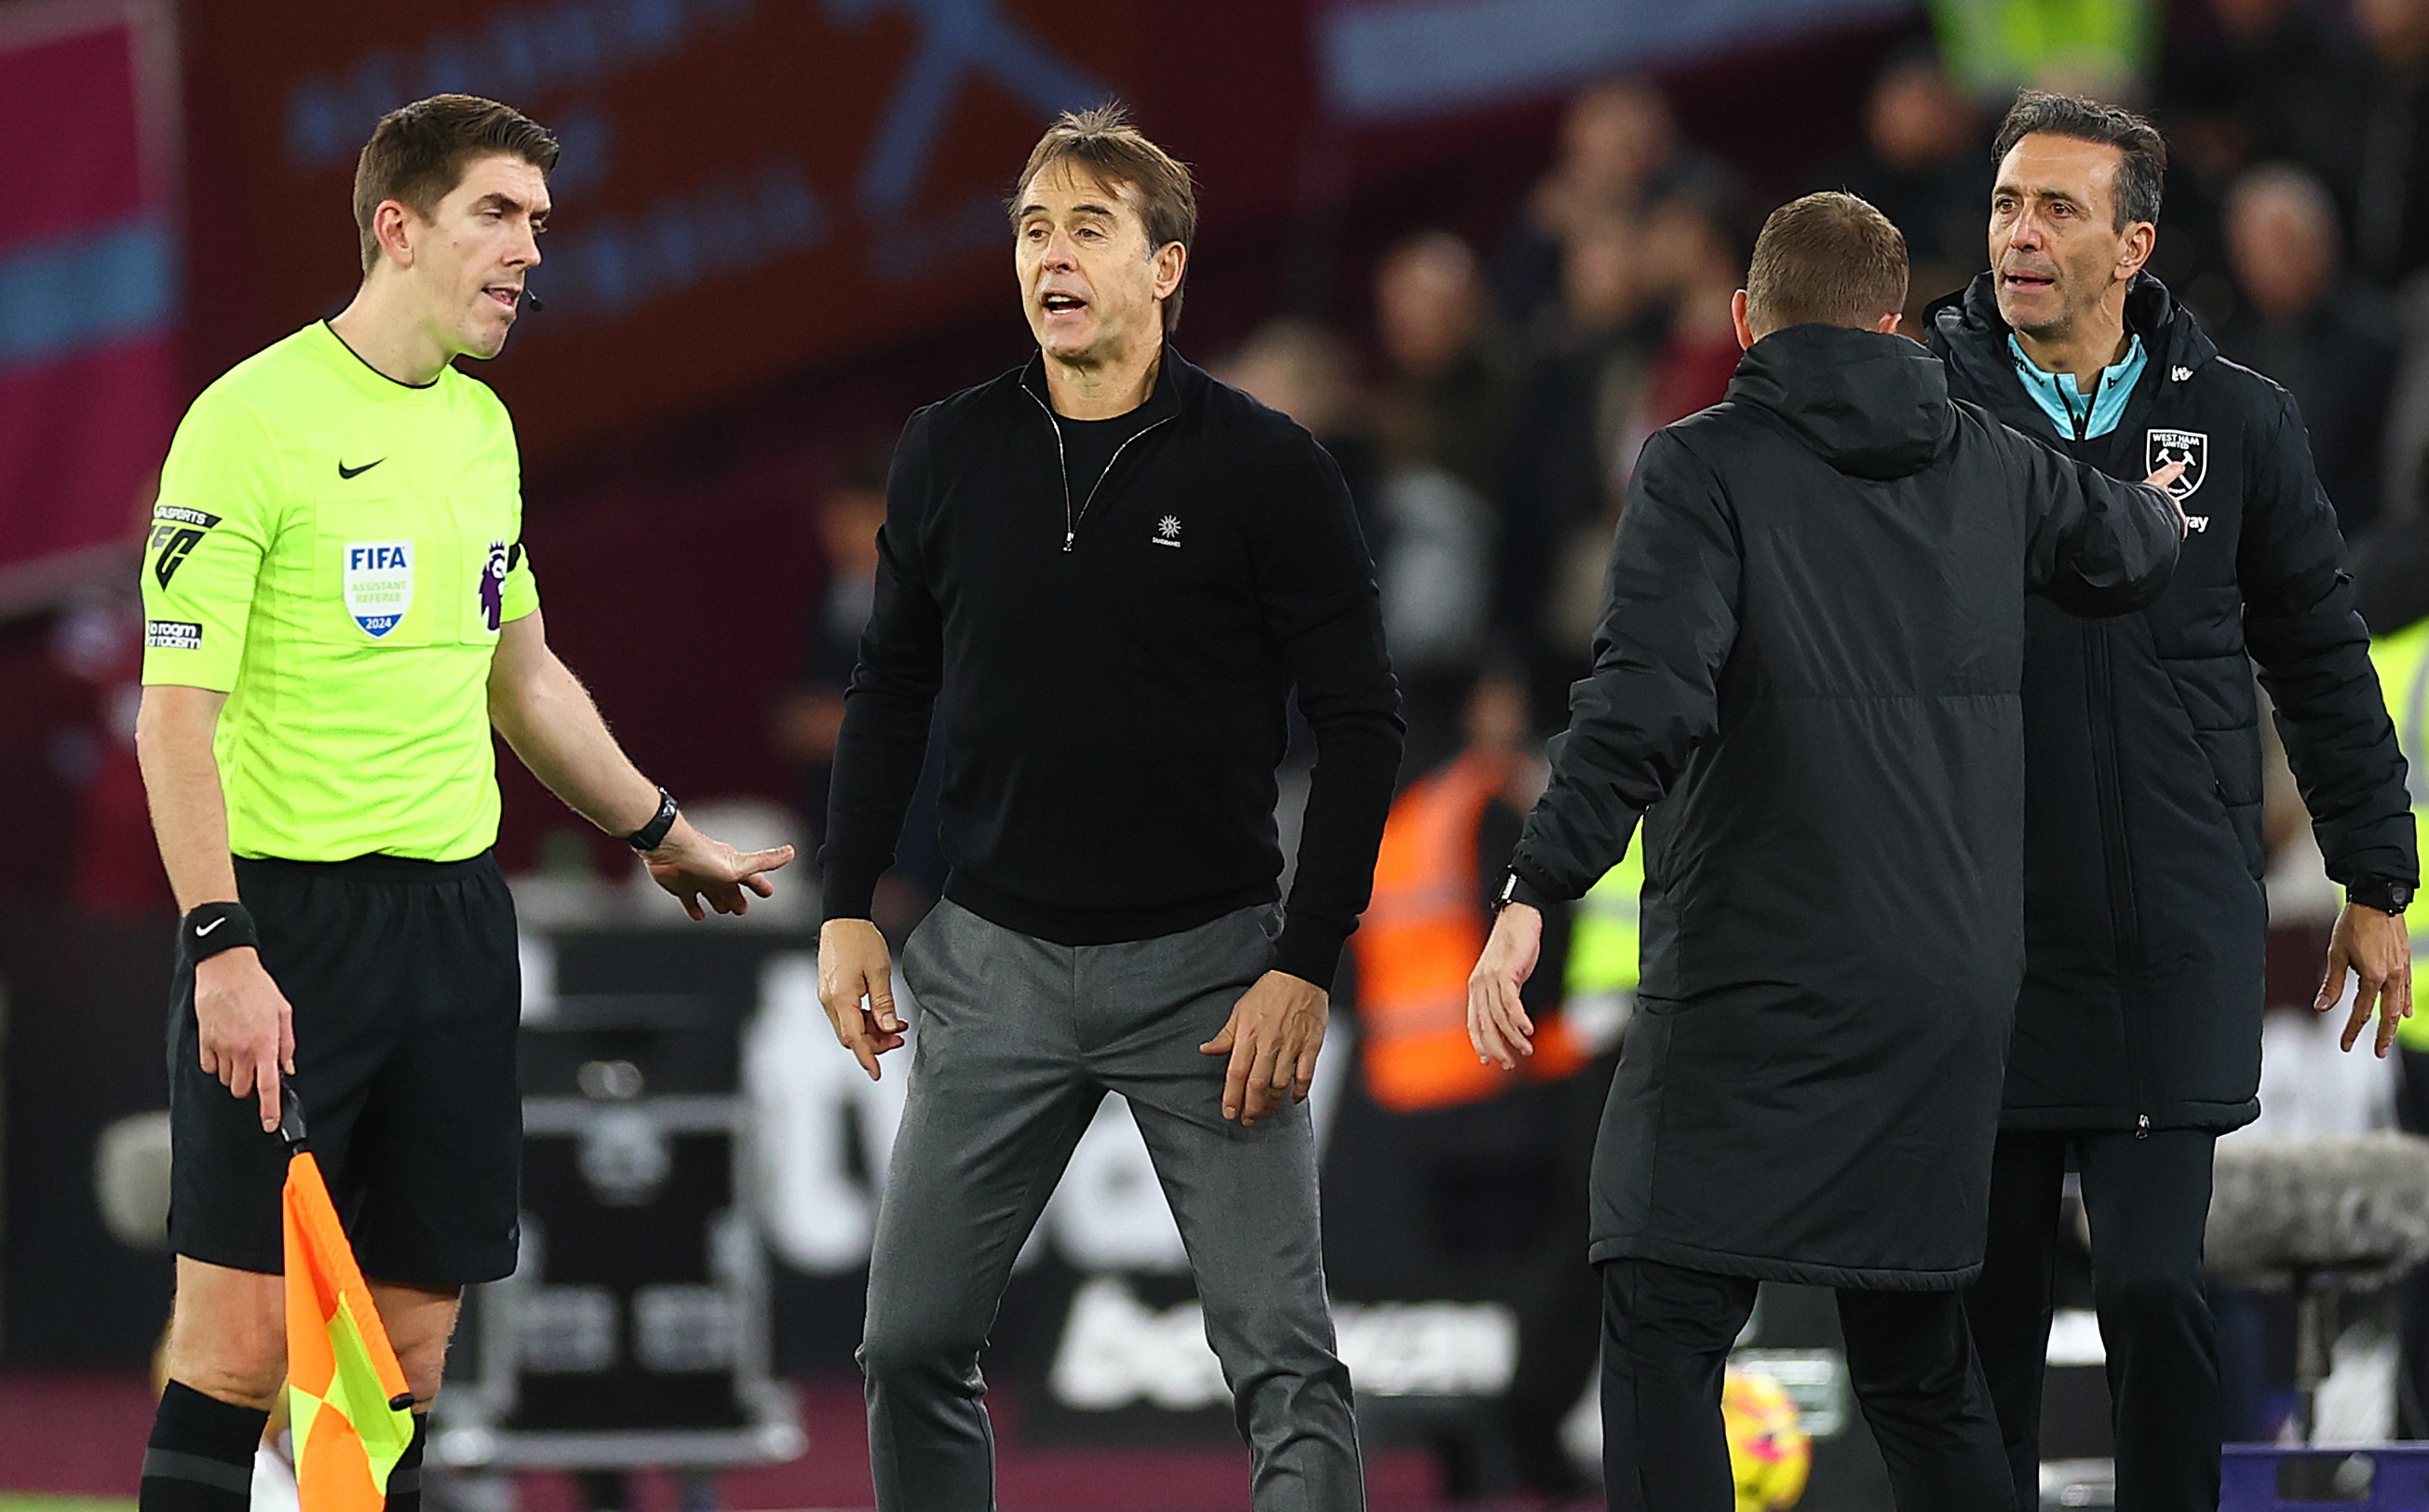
(1116, 1349)
(2196, 523)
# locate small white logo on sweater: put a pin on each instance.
(1167, 532)
(2197, 523)
(2180, 374)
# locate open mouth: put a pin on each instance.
(2026, 281)
(1061, 303)
(507, 295)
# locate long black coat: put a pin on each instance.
(1807, 683)
(2144, 913)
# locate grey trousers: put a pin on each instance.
(1017, 1042)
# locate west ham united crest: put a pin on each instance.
(2191, 447)
(378, 584)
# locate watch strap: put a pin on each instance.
(654, 834)
(1516, 889)
(2381, 894)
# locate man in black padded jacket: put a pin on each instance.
(2137, 1033)
(1806, 684)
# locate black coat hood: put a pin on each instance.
(1873, 406)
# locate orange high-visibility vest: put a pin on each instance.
(1419, 939)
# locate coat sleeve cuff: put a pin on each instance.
(1310, 950)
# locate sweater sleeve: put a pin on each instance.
(1669, 622)
(893, 691)
(2300, 626)
(1317, 586)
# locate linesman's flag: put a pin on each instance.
(351, 1410)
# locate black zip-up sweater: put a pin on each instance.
(1112, 665)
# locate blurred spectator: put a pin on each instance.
(2236, 87)
(1619, 152)
(1925, 164)
(1306, 371)
(1491, 1187)
(2233, 95)
(2364, 127)
(98, 639)
(809, 716)
(2332, 347)
(1446, 401)
(1697, 264)
(1579, 423)
(1443, 418)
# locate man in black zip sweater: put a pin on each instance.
(2136, 1039)
(1105, 572)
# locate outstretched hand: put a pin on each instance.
(700, 871)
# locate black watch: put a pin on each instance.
(1515, 888)
(654, 834)
(2387, 897)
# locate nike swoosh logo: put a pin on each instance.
(345, 472)
(199, 930)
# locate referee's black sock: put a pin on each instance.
(200, 1458)
(404, 1482)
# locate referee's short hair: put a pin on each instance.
(418, 153)
(1102, 143)
(1827, 260)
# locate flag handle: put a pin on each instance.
(291, 1117)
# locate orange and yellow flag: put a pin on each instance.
(352, 1412)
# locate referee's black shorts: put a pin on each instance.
(406, 989)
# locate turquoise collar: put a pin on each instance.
(2079, 416)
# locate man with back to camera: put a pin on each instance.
(1105, 572)
(2138, 1032)
(338, 613)
(1805, 684)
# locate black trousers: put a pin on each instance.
(1665, 1342)
(2148, 1200)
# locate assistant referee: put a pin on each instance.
(339, 610)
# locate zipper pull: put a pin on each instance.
(2141, 1126)
(1068, 538)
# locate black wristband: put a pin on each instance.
(213, 927)
(654, 834)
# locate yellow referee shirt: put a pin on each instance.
(336, 551)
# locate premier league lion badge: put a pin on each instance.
(2191, 447)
